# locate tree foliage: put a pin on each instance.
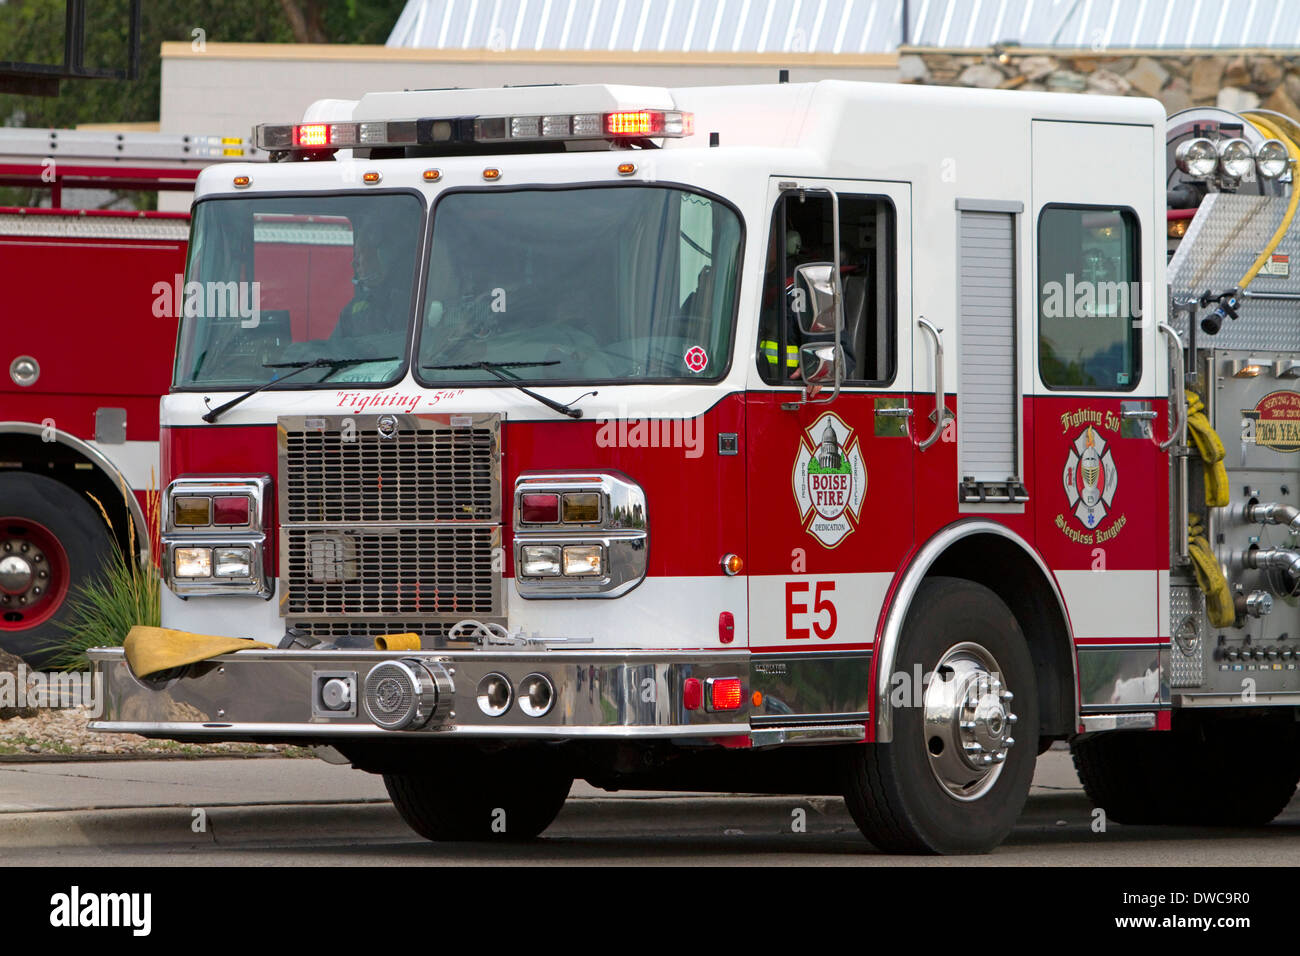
(32, 31)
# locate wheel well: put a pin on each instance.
(1003, 567)
(65, 464)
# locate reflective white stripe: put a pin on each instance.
(857, 599)
(134, 459)
(1111, 603)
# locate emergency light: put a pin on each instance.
(614, 127)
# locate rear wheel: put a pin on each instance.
(1204, 772)
(954, 779)
(51, 542)
(509, 795)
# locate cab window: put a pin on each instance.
(1089, 298)
(803, 232)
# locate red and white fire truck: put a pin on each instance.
(823, 438)
(87, 341)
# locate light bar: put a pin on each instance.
(620, 125)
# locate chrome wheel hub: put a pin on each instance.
(968, 721)
(23, 572)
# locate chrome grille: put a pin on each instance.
(343, 470)
(397, 571)
(381, 534)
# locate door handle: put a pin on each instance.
(940, 406)
(1177, 400)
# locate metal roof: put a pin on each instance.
(841, 26)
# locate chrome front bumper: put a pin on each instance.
(275, 695)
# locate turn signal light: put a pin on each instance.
(539, 509)
(192, 512)
(230, 510)
(725, 693)
(582, 508)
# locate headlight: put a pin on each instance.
(1196, 157)
(1271, 159)
(1235, 158)
(540, 559)
(233, 562)
(583, 559)
(192, 562)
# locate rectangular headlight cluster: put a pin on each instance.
(543, 560)
(579, 535)
(213, 535)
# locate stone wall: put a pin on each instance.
(1232, 80)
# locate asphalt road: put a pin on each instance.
(305, 812)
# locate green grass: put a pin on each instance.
(103, 612)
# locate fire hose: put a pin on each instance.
(1266, 129)
(1209, 576)
(1210, 447)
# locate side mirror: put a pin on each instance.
(814, 283)
(817, 362)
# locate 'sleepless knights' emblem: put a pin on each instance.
(1090, 478)
(830, 479)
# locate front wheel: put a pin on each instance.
(954, 779)
(51, 543)
(509, 795)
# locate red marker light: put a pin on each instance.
(726, 627)
(725, 693)
(634, 123)
(230, 510)
(692, 693)
(539, 509)
(313, 134)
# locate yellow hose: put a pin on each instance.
(1210, 447)
(1219, 607)
(1266, 130)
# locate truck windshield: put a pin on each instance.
(279, 280)
(618, 283)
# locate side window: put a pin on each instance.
(802, 232)
(1089, 296)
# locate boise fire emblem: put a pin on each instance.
(830, 480)
(1090, 478)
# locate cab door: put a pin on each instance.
(830, 479)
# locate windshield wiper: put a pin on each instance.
(495, 369)
(332, 364)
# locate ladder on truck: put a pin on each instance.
(107, 159)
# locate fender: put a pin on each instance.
(100, 462)
(905, 590)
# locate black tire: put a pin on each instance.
(896, 799)
(84, 537)
(1203, 772)
(507, 796)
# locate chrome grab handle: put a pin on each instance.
(894, 412)
(940, 406)
(1178, 398)
(1139, 414)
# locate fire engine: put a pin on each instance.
(831, 438)
(86, 347)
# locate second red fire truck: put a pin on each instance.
(829, 438)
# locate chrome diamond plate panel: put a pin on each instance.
(1229, 231)
(1187, 619)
